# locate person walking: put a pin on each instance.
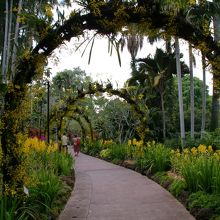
(76, 145)
(64, 140)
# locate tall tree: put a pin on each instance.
(153, 74)
(192, 121)
(216, 81)
(105, 17)
(180, 93)
(203, 96)
(5, 47)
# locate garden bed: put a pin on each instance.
(198, 186)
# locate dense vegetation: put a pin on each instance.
(151, 105)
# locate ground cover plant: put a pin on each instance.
(45, 191)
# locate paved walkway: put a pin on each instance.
(104, 191)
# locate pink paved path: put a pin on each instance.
(104, 191)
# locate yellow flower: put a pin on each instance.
(106, 142)
(134, 141)
(178, 154)
(129, 142)
(48, 11)
(140, 96)
(139, 143)
(210, 148)
(202, 148)
(194, 151)
(215, 155)
(186, 151)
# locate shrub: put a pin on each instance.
(156, 158)
(92, 148)
(118, 152)
(200, 171)
(177, 186)
(63, 163)
(202, 200)
(44, 192)
(209, 138)
(105, 153)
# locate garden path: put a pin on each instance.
(104, 191)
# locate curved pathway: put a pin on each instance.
(104, 191)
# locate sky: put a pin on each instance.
(104, 66)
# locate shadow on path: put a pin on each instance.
(104, 191)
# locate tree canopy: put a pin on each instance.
(104, 18)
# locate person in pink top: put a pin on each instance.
(76, 145)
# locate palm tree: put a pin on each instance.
(180, 95)
(216, 90)
(191, 92)
(203, 96)
(5, 47)
(202, 15)
(153, 73)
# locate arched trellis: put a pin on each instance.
(107, 18)
(77, 113)
(71, 107)
(78, 119)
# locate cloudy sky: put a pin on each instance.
(103, 66)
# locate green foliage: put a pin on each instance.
(209, 138)
(68, 81)
(156, 158)
(162, 178)
(105, 153)
(118, 152)
(200, 173)
(92, 148)
(8, 208)
(62, 163)
(177, 186)
(46, 188)
(53, 36)
(212, 138)
(202, 199)
(198, 85)
(114, 119)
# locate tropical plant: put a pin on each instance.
(206, 201)
(154, 75)
(31, 63)
(155, 158)
(199, 167)
(192, 119)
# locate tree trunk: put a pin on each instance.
(203, 97)
(180, 95)
(9, 37)
(60, 131)
(216, 80)
(163, 115)
(192, 119)
(14, 52)
(13, 165)
(5, 48)
(215, 103)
